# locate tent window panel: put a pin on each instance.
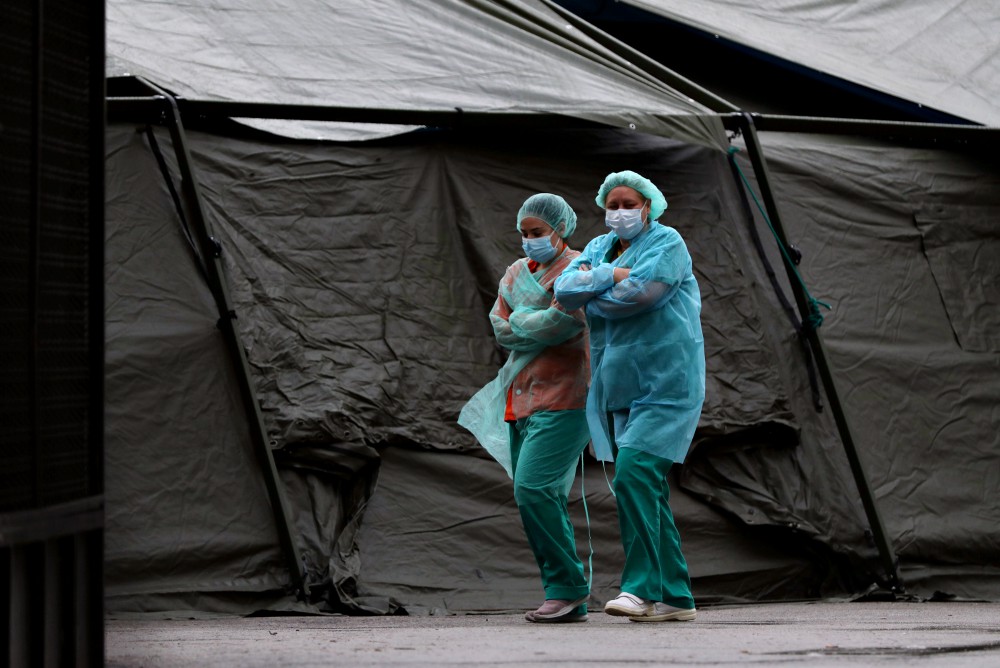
(962, 245)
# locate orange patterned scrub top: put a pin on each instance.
(527, 317)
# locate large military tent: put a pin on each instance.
(308, 207)
(871, 190)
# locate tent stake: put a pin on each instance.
(887, 556)
(211, 253)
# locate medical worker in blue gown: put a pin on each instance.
(647, 383)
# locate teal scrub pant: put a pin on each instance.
(655, 568)
(545, 448)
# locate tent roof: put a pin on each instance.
(944, 55)
(504, 56)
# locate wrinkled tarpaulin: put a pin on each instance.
(904, 244)
(362, 276)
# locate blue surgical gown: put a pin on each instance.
(647, 349)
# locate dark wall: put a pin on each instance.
(51, 342)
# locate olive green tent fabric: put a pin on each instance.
(362, 276)
(186, 510)
(443, 534)
(903, 243)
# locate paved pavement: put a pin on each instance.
(818, 635)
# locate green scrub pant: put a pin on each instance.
(545, 448)
(655, 568)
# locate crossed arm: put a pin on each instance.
(608, 291)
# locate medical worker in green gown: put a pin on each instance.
(535, 407)
(647, 382)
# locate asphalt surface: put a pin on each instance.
(820, 634)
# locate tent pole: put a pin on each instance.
(211, 251)
(886, 554)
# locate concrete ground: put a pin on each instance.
(924, 635)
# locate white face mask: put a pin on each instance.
(540, 250)
(626, 223)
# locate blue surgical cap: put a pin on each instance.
(552, 209)
(645, 187)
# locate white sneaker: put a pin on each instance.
(628, 605)
(666, 613)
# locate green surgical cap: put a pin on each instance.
(645, 187)
(552, 209)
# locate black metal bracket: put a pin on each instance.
(167, 112)
(887, 555)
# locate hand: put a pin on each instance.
(621, 273)
(584, 266)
